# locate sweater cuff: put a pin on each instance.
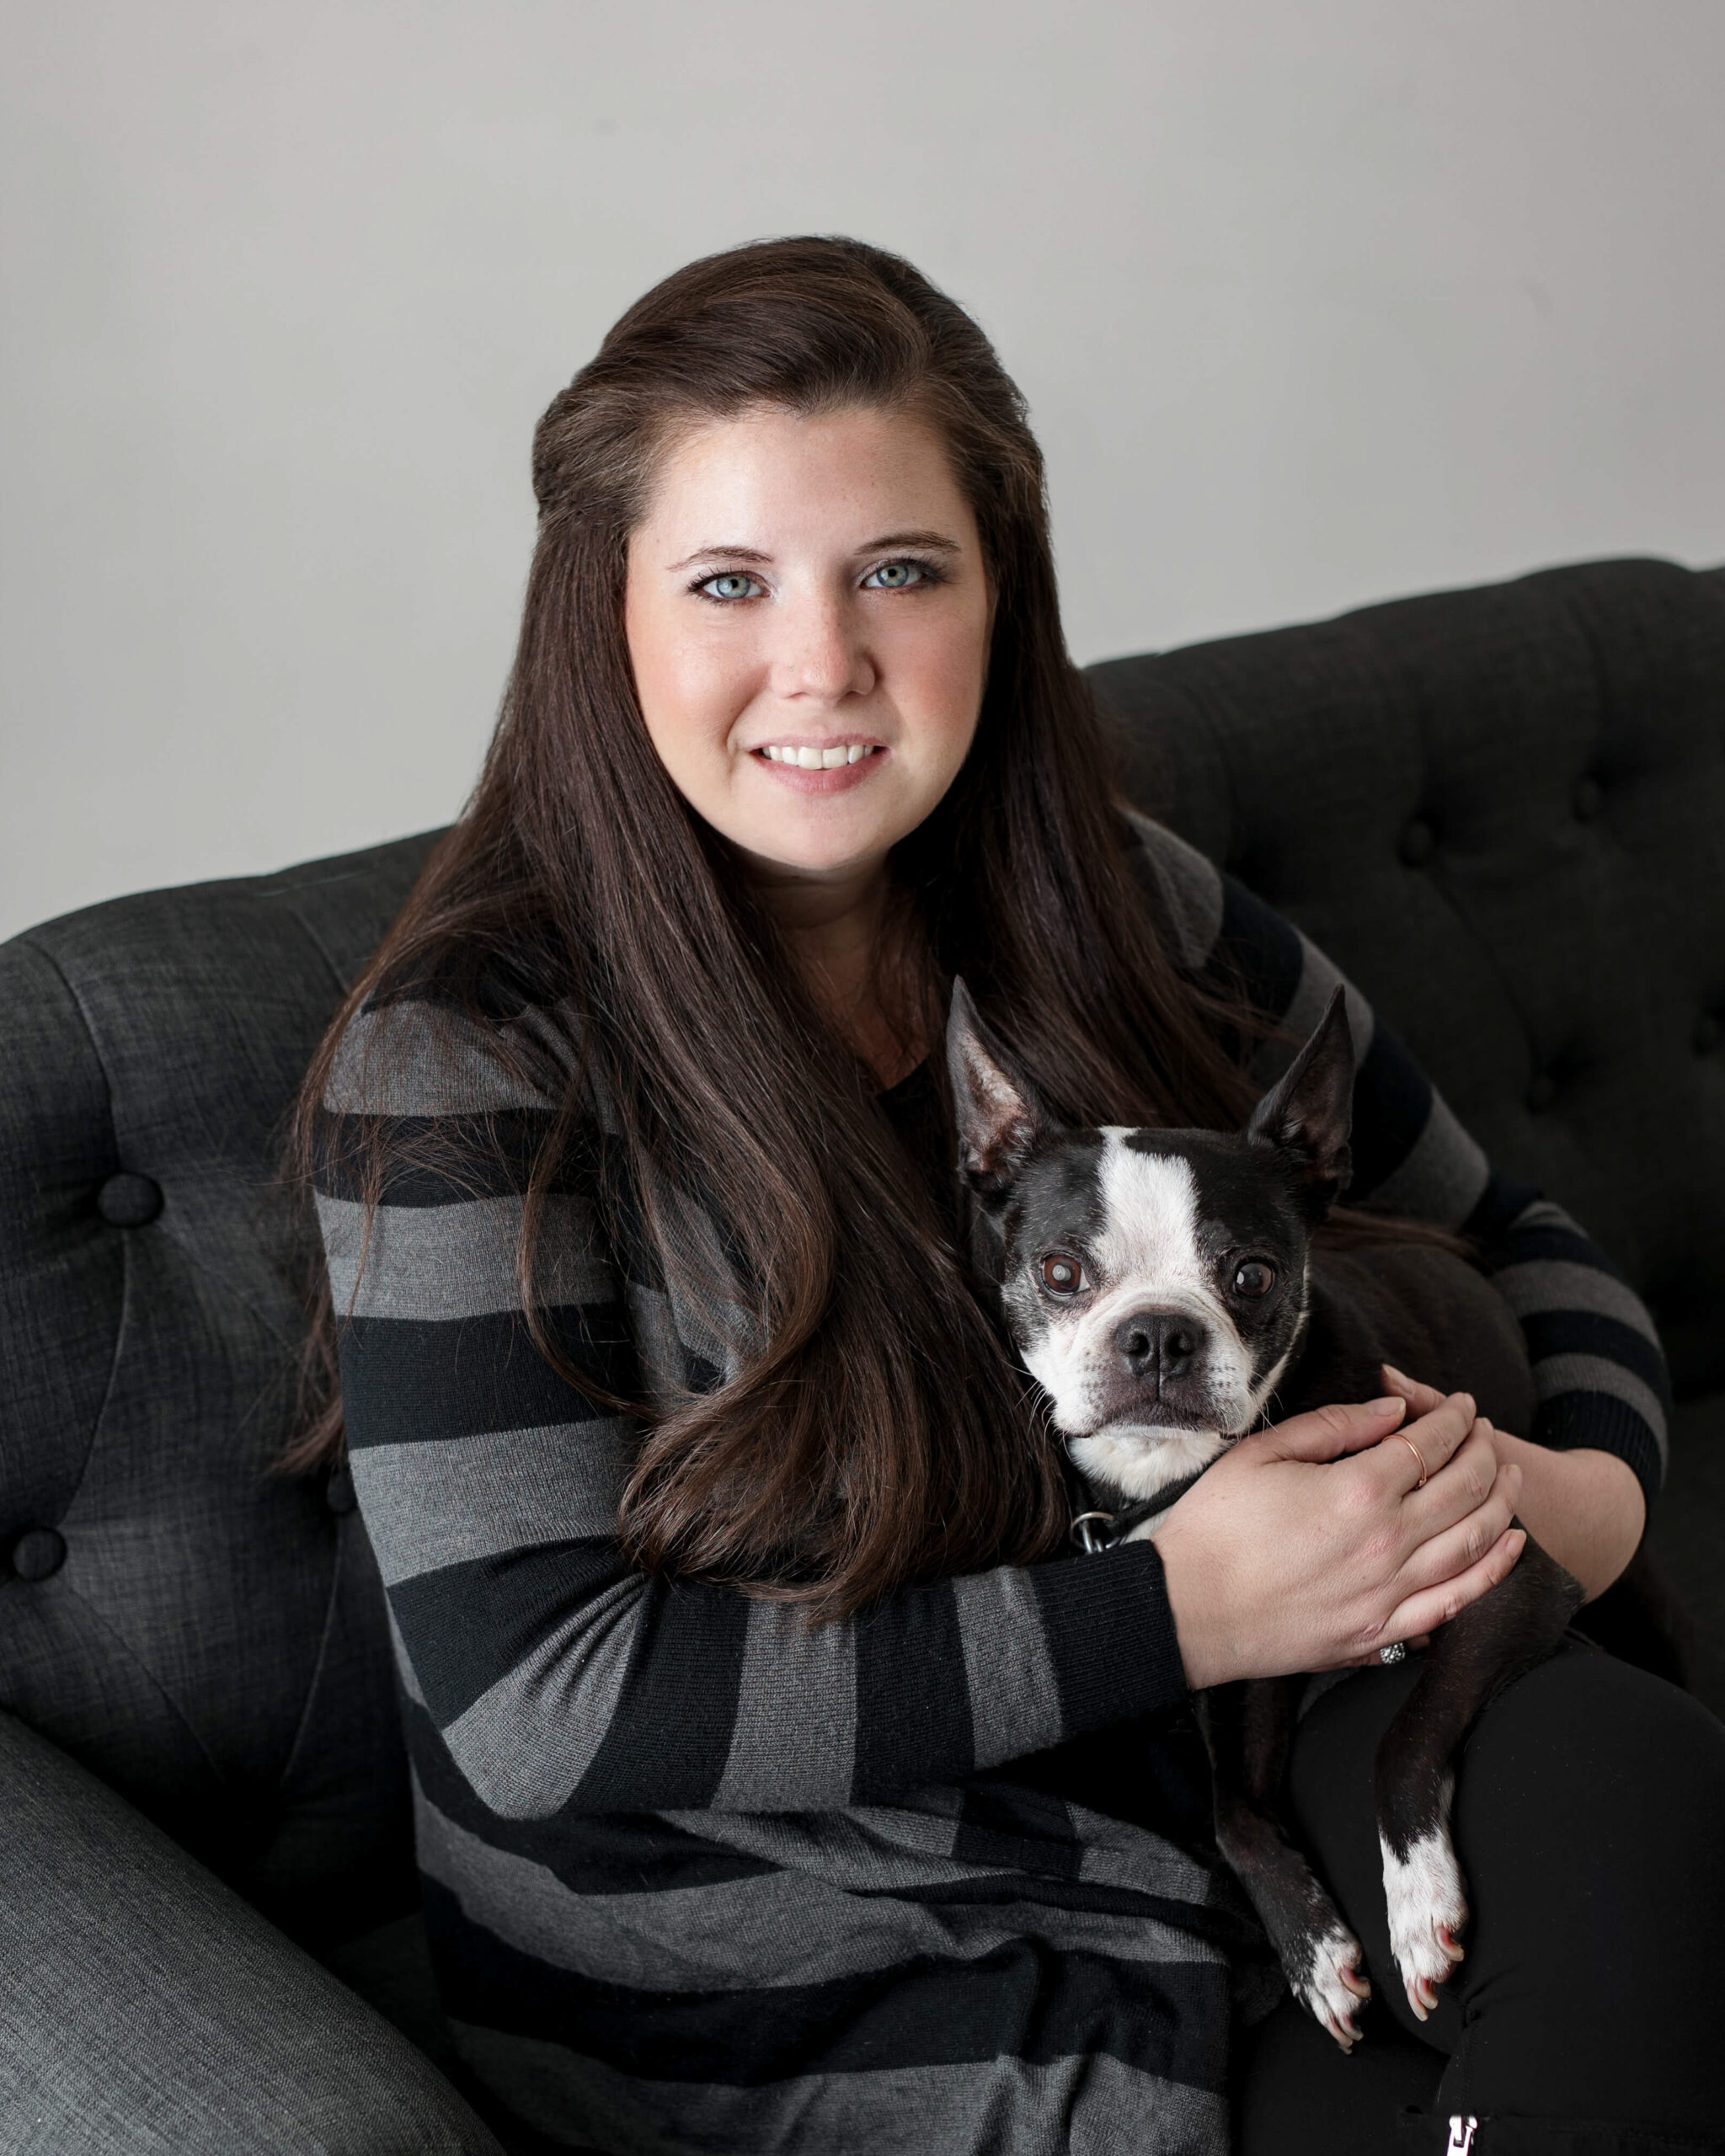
(1570, 1421)
(1110, 1632)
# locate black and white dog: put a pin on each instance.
(1160, 1286)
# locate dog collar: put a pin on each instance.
(1096, 1531)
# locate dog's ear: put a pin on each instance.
(999, 1119)
(1309, 1111)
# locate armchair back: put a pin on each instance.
(1503, 810)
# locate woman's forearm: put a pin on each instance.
(1585, 1508)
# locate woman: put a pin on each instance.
(783, 1783)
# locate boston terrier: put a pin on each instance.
(1163, 1289)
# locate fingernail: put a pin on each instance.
(1386, 1406)
(1391, 1371)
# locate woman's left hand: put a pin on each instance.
(1585, 1508)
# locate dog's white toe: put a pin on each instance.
(1427, 1908)
(1326, 1991)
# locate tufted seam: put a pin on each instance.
(128, 1265)
(125, 1254)
(277, 1182)
(316, 941)
(189, 1250)
(324, 1640)
(136, 1660)
(1437, 876)
(1577, 620)
(1605, 702)
(1199, 706)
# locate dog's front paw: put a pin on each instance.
(1427, 1908)
(1334, 1984)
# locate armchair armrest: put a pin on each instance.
(147, 2007)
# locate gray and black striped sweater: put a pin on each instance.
(698, 1876)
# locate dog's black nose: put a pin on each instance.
(1157, 1342)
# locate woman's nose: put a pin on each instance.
(821, 653)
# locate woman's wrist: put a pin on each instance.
(1207, 1655)
(1585, 1508)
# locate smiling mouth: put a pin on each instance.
(829, 756)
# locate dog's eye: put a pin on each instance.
(1254, 1279)
(1061, 1275)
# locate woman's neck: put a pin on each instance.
(834, 931)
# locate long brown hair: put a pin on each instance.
(872, 1430)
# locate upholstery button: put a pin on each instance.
(38, 1553)
(1709, 1032)
(338, 1489)
(129, 1201)
(1588, 798)
(1541, 1092)
(1418, 843)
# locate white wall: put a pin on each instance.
(1315, 301)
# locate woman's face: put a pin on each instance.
(807, 616)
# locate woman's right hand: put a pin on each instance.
(1308, 1546)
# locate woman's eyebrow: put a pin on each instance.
(707, 553)
(938, 540)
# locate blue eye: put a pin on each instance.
(895, 576)
(732, 584)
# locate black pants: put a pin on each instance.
(1590, 1824)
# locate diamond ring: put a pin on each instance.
(1394, 1653)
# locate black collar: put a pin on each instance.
(1097, 1531)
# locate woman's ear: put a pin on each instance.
(998, 1120)
(1309, 1111)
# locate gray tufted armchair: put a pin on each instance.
(1502, 810)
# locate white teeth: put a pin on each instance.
(818, 760)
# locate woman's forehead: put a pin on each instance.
(766, 479)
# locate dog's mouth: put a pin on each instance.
(1147, 1435)
(1174, 1411)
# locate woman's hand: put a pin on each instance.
(1586, 1508)
(1308, 1546)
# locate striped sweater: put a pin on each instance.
(697, 1875)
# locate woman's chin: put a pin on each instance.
(802, 841)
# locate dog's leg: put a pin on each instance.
(1249, 1729)
(1475, 1655)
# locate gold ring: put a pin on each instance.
(1415, 1450)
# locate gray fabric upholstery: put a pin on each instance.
(203, 1636)
(1503, 811)
(146, 2007)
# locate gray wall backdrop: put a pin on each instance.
(1315, 301)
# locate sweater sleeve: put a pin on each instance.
(557, 1677)
(1600, 1374)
